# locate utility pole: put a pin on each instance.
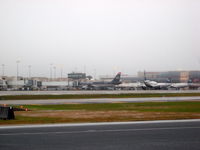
(61, 73)
(54, 72)
(29, 71)
(51, 71)
(17, 68)
(17, 71)
(3, 65)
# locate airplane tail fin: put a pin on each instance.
(117, 78)
(145, 78)
(189, 81)
(169, 80)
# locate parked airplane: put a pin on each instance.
(155, 85)
(102, 84)
(179, 86)
(183, 85)
(130, 86)
(194, 86)
(188, 84)
(3, 85)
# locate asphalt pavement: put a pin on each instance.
(93, 92)
(158, 135)
(98, 100)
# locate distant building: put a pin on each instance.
(40, 78)
(172, 76)
(76, 76)
(3, 84)
(124, 78)
(194, 76)
(54, 85)
(16, 84)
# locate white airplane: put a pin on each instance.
(155, 85)
(179, 85)
(194, 86)
(3, 84)
(103, 84)
(130, 86)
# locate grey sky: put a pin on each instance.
(106, 35)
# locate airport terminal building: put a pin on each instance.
(172, 76)
(165, 76)
(72, 82)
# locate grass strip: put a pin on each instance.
(108, 112)
(89, 96)
(185, 106)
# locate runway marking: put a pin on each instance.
(100, 100)
(99, 131)
(95, 124)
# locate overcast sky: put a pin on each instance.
(103, 35)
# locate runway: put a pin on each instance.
(98, 100)
(165, 135)
(93, 92)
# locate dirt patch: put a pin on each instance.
(116, 115)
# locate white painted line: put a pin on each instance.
(97, 124)
(98, 131)
(98, 100)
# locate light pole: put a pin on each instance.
(17, 71)
(29, 71)
(61, 72)
(3, 65)
(51, 71)
(54, 72)
(17, 68)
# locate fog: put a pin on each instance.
(99, 37)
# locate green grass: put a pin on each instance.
(193, 106)
(84, 96)
(29, 120)
(147, 111)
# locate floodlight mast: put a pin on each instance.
(17, 72)
(29, 71)
(3, 67)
